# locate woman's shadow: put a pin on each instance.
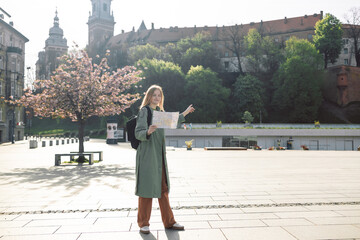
(170, 234)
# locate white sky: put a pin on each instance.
(34, 18)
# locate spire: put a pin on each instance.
(56, 19)
(142, 26)
(56, 34)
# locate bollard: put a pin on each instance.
(43, 144)
(33, 144)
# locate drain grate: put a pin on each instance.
(185, 207)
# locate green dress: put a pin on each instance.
(149, 156)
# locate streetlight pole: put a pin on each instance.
(13, 126)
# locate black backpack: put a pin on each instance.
(130, 128)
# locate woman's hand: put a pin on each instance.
(151, 129)
(190, 109)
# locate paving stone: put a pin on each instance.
(27, 231)
(324, 232)
(256, 233)
(52, 216)
(286, 222)
(8, 217)
(236, 223)
(334, 220)
(247, 216)
(219, 211)
(274, 209)
(116, 227)
(117, 236)
(11, 224)
(43, 237)
(107, 214)
(307, 214)
(60, 222)
(208, 234)
(349, 213)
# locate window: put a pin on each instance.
(1, 63)
(1, 88)
(18, 66)
(346, 51)
(346, 61)
(226, 65)
(310, 36)
(276, 40)
(226, 54)
(94, 7)
(1, 113)
(105, 7)
(1, 38)
(346, 41)
(19, 116)
(287, 38)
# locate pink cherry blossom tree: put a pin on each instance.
(80, 89)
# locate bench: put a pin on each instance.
(98, 152)
(72, 155)
(225, 148)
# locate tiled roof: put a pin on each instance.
(174, 34)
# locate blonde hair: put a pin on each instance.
(149, 93)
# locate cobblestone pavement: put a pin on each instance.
(217, 195)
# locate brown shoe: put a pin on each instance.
(145, 230)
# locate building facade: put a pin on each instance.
(12, 62)
(314, 139)
(55, 47)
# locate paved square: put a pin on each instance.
(215, 194)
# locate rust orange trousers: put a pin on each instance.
(145, 205)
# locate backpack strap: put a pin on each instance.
(149, 115)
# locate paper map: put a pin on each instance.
(165, 119)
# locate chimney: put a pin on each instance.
(152, 26)
(133, 29)
(2, 16)
(321, 14)
(122, 31)
(285, 20)
(302, 22)
(11, 23)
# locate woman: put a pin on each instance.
(152, 178)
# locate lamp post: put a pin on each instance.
(13, 126)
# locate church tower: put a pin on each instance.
(55, 46)
(101, 26)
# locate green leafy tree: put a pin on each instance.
(247, 117)
(167, 75)
(197, 50)
(147, 51)
(263, 57)
(248, 91)
(297, 97)
(328, 38)
(203, 88)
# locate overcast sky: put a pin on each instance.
(34, 18)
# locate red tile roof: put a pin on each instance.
(174, 34)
